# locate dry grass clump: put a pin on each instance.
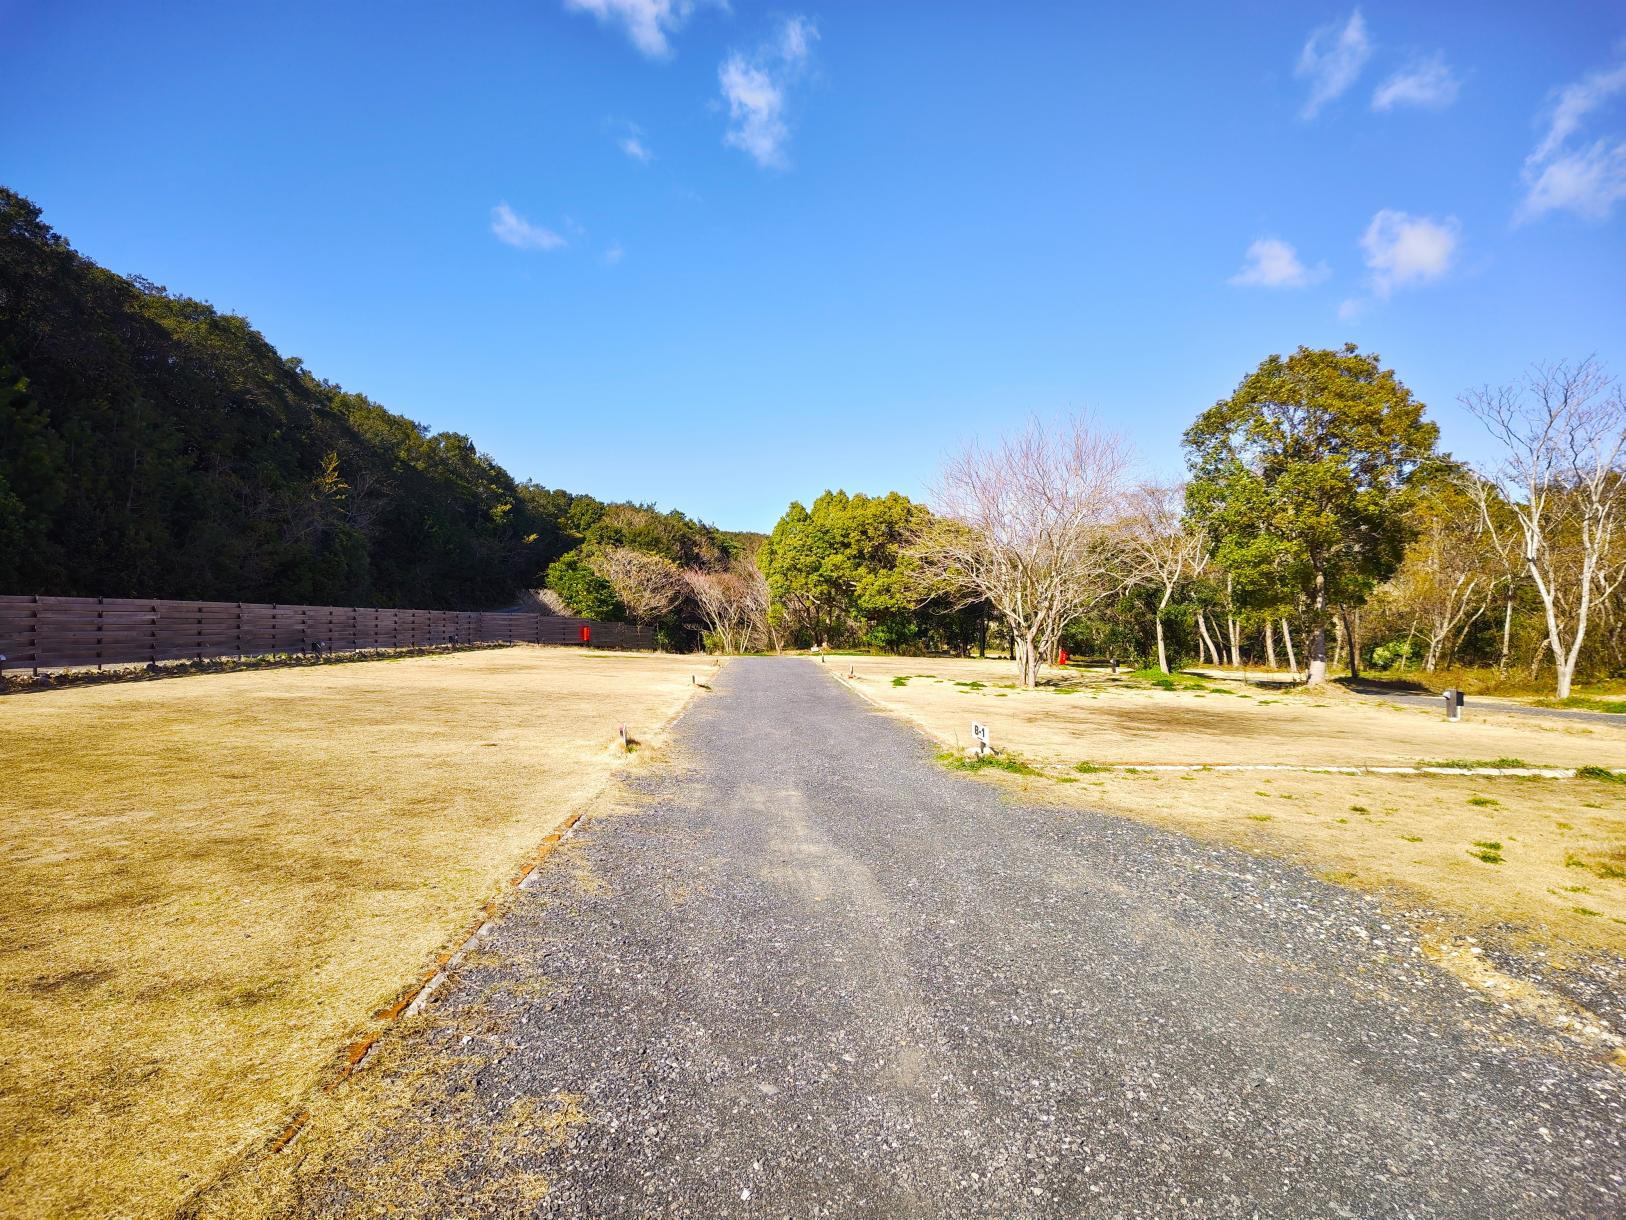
(207, 885)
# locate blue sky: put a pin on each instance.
(720, 257)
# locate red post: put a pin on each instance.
(1061, 658)
(587, 634)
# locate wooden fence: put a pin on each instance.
(78, 632)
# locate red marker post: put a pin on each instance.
(587, 634)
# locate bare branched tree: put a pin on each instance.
(1450, 570)
(1163, 547)
(733, 604)
(1029, 526)
(1563, 429)
(647, 585)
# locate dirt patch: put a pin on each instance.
(207, 886)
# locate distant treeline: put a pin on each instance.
(151, 446)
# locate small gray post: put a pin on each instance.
(1454, 699)
(980, 732)
(621, 730)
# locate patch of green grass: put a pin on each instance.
(1468, 764)
(1067, 779)
(1088, 768)
(1586, 703)
(985, 762)
(1602, 773)
(1358, 809)
(1259, 817)
(901, 680)
(1585, 911)
(1488, 850)
(972, 685)
(1563, 826)
(1484, 801)
(1412, 838)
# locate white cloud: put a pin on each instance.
(1402, 250)
(512, 229)
(614, 254)
(1331, 60)
(1350, 309)
(635, 148)
(1273, 263)
(755, 87)
(1589, 180)
(648, 23)
(1423, 82)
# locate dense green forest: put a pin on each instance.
(152, 446)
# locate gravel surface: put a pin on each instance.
(815, 974)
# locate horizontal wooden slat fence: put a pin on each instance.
(79, 632)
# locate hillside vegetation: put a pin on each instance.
(152, 446)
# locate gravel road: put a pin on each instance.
(815, 974)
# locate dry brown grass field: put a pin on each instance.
(208, 885)
(1545, 857)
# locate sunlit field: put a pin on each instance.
(209, 885)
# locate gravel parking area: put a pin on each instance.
(814, 974)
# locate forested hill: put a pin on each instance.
(151, 446)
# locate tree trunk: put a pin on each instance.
(1318, 635)
(1507, 633)
(1202, 635)
(1352, 633)
(1162, 649)
(1230, 623)
(1028, 660)
(1270, 644)
(1287, 638)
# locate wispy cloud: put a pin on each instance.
(1402, 250)
(755, 87)
(1273, 263)
(647, 23)
(614, 254)
(1587, 178)
(1427, 82)
(512, 229)
(634, 147)
(1331, 61)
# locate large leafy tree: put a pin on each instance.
(838, 571)
(1301, 477)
